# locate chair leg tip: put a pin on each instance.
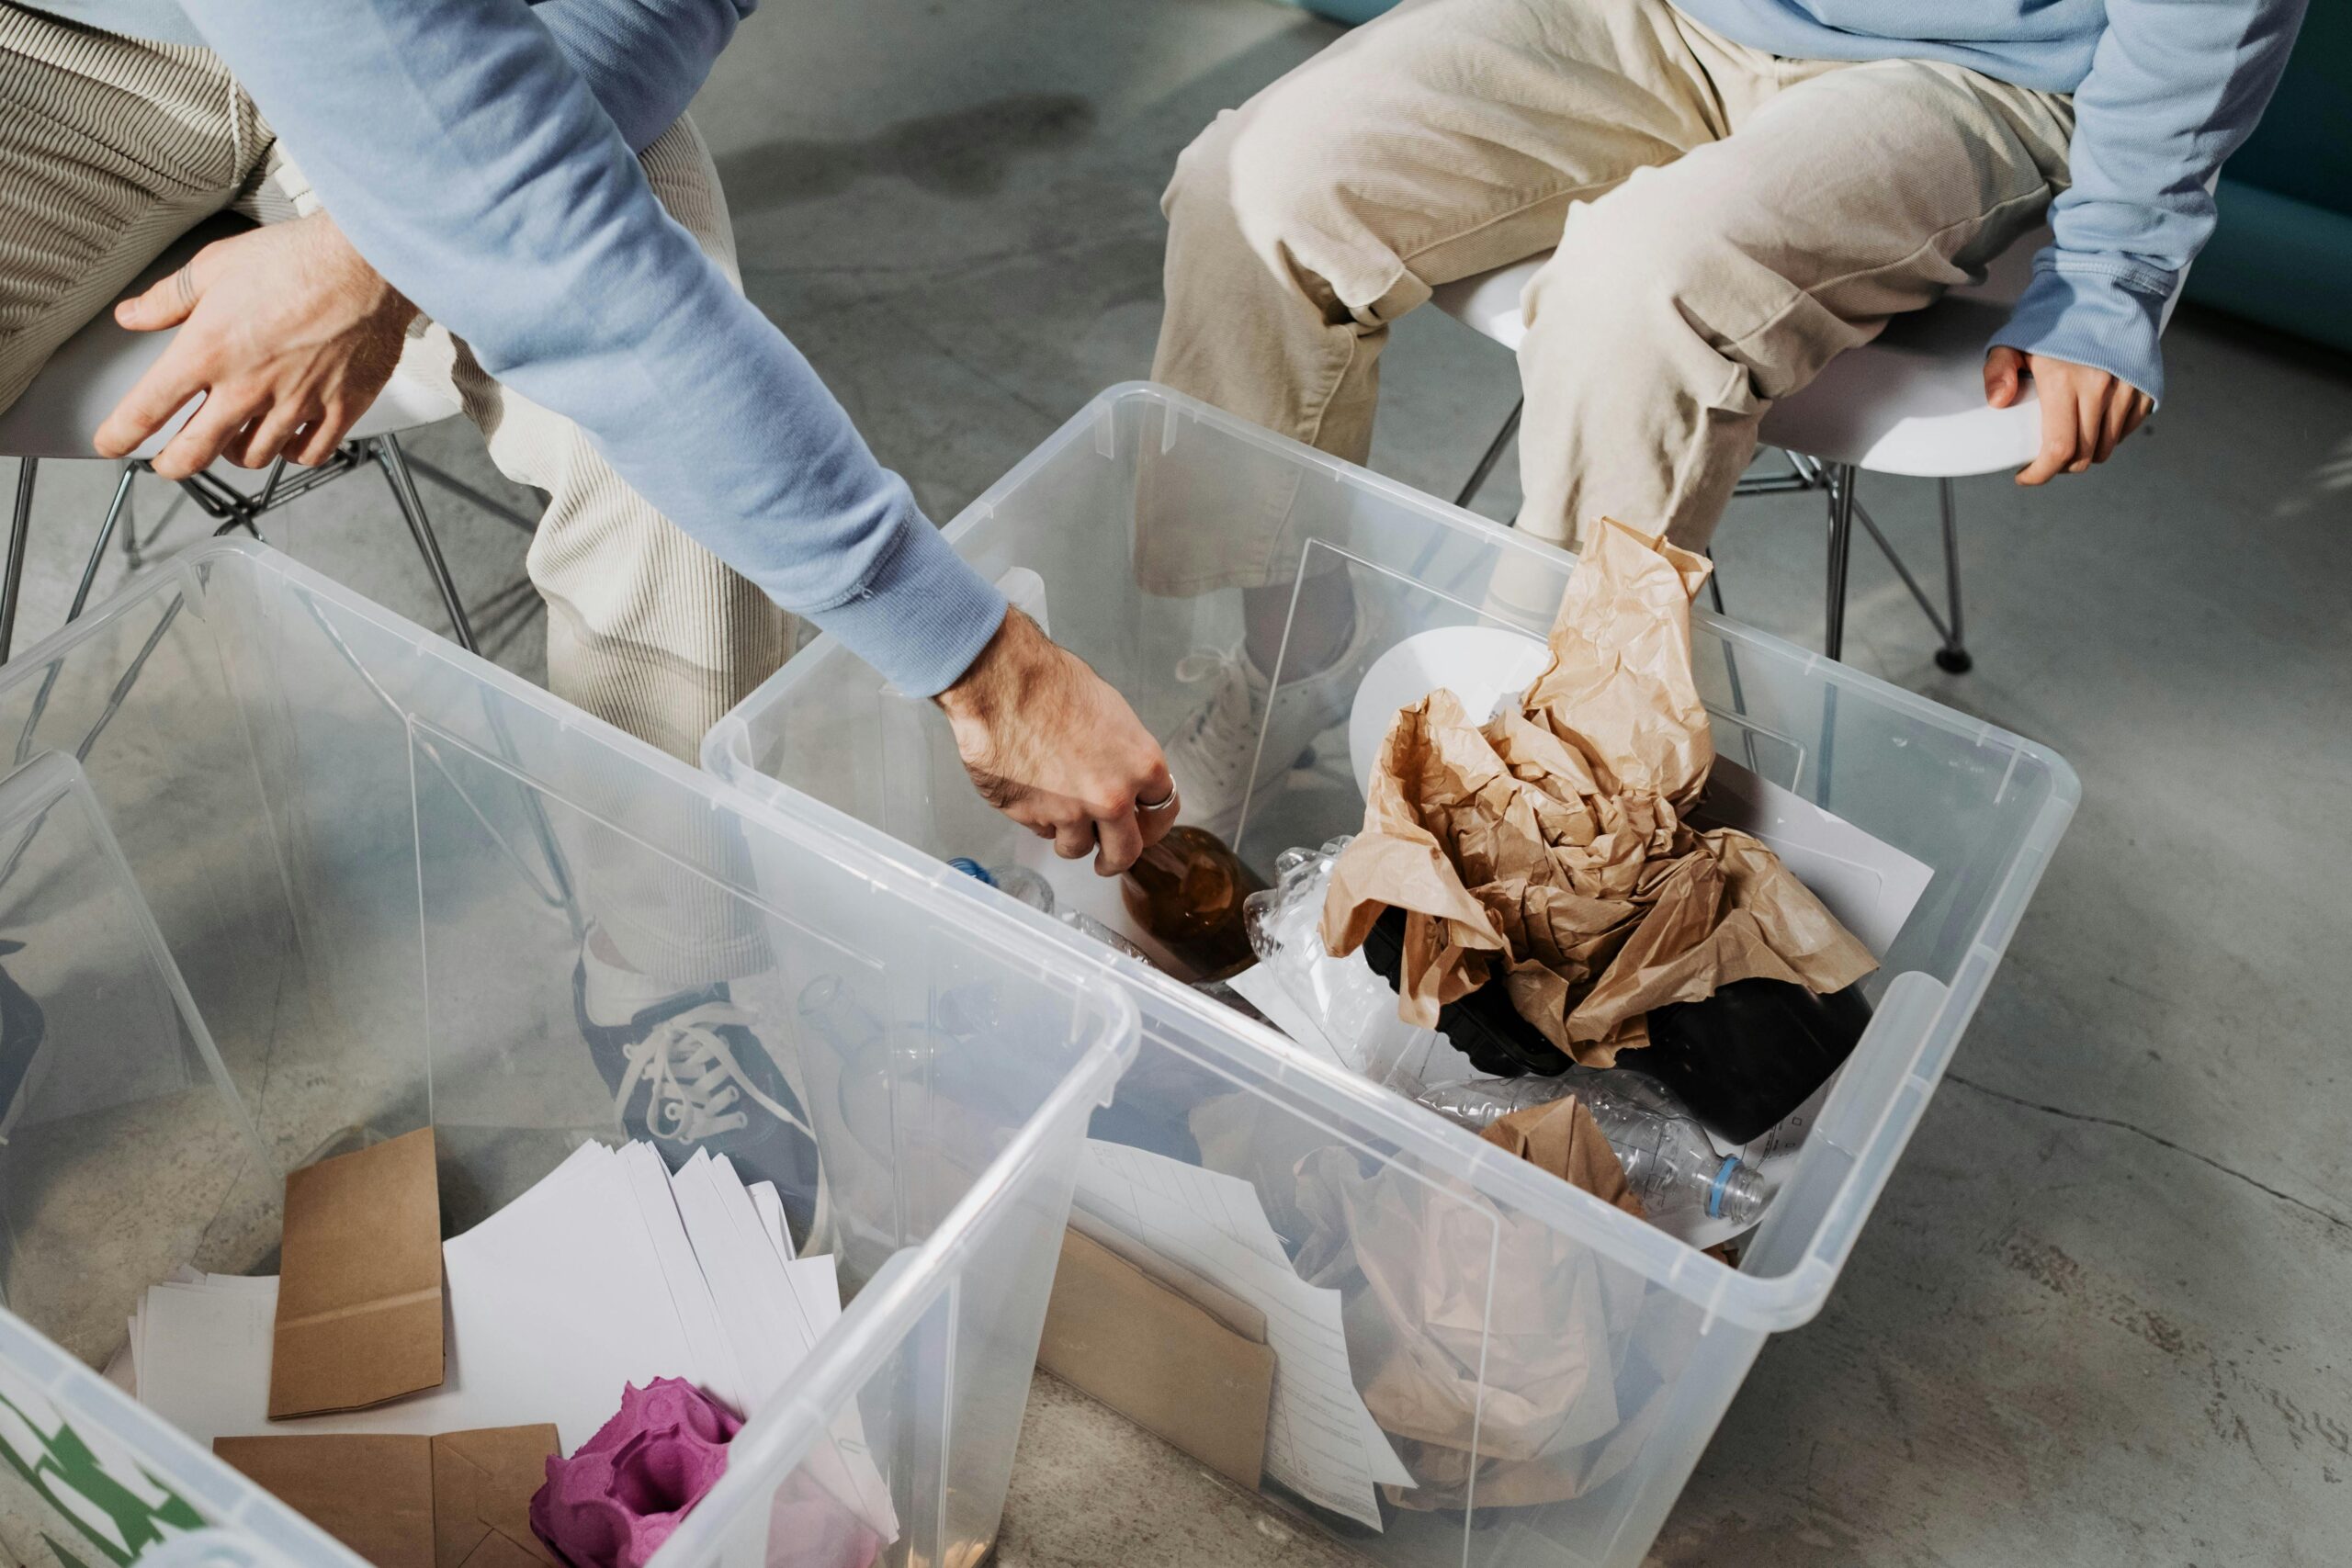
(1954, 660)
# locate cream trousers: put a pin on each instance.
(1726, 222)
(111, 148)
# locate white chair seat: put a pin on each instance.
(60, 413)
(1910, 402)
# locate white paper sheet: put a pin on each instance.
(770, 1203)
(521, 1348)
(1320, 1440)
(774, 1313)
(1258, 986)
(204, 1359)
(710, 1352)
(1868, 884)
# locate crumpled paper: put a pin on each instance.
(1488, 1346)
(622, 1494)
(1552, 843)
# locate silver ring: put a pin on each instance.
(1157, 805)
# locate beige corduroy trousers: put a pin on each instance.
(1725, 221)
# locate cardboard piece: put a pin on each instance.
(1551, 845)
(482, 1483)
(359, 1285)
(1166, 1362)
(373, 1493)
(459, 1500)
(1240, 1317)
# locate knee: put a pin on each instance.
(1232, 178)
(1255, 182)
(1635, 264)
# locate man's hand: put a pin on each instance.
(1053, 747)
(288, 334)
(2086, 413)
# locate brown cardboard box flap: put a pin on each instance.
(1248, 1321)
(460, 1500)
(482, 1483)
(1162, 1362)
(359, 1282)
(372, 1491)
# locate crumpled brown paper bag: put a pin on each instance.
(1552, 844)
(1487, 1344)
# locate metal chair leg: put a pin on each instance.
(1953, 657)
(1841, 550)
(114, 515)
(390, 458)
(20, 537)
(1494, 454)
(131, 557)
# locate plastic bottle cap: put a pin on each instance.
(1715, 1192)
(973, 869)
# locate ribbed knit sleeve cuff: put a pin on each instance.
(923, 614)
(2086, 310)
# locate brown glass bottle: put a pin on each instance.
(1186, 890)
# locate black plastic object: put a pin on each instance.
(1752, 1053)
(1483, 1026)
(1741, 1060)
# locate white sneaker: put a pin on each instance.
(1211, 751)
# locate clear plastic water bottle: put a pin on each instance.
(1669, 1162)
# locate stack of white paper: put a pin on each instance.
(611, 1270)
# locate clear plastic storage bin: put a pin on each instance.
(282, 875)
(1581, 1356)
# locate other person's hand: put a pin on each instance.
(287, 331)
(2086, 413)
(1049, 743)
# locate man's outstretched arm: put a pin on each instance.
(473, 169)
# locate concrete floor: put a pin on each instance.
(2103, 1313)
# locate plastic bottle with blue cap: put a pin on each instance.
(1669, 1162)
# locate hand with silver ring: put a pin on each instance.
(1050, 744)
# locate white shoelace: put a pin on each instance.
(693, 1084)
(1222, 740)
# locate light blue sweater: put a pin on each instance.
(480, 153)
(2164, 91)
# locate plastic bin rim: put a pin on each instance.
(1049, 960)
(151, 1440)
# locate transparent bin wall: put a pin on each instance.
(97, 1032)
(371, 858)
(1582, 1447)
